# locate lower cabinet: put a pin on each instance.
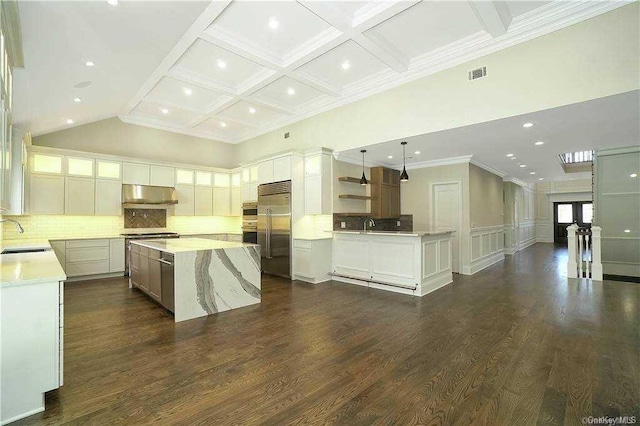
(88, 257)
(32, 347)
(312, 260)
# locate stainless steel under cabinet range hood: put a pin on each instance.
(146, 194)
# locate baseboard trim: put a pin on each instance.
(434, 283)
(94, 277)
(310, 280)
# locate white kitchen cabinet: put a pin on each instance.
(32, 347)
(282, 169)
(265, 172)
(221, 201)
(162, 176)
(185, 206)
(275, 170)
(135, 173)
(116, 255)
(236, 201)
(312, 260)
(79, 196)
(204, 178)
(108, 197)
(46, 194)
(317, 184)
(203, 201)
(184, 177)
(108, 170)
(87, 257)
(221, 180)
(82, 167)
(253, 173)
(46, 164)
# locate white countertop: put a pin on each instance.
(394, 233)
(30, 243)
(30, 268)
(314, 237)
(176, 245)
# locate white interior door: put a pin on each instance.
(447, 212)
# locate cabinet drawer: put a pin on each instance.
(87, 254)
(304, 244)
(87, 268)
(87, 243)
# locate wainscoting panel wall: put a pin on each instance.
(487, 248)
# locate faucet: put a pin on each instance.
(368, 221)
(20, 228)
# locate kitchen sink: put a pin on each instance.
(23, 250)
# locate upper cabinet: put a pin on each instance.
(317, 183)
(184, 177)
(385, 193)
(80, 166)
(162, 176)
(135, 174)
(46, 164)
(108, 170)
(275, 170)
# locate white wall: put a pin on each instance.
(550, 192)
(112, 136)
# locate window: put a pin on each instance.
(587, 213)
(565, 213)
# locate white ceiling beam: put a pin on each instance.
(494, 16)
(204, 20)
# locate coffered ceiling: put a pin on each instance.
(244, 68)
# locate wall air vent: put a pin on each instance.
(477, 73)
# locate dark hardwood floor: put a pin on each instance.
(515, 344)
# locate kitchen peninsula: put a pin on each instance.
(196, 277)
(413, 263)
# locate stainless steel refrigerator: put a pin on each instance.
(274, 227)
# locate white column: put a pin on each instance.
(572, 266)
(596, 266)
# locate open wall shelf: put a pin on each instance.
(349, 179)
(354, 197)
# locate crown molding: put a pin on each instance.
(519, 182)
(437, 163)
(346, 159)
(488, 168)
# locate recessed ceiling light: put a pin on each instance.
(532, 173)
(252, 110)
(540, 178)
(527, 125)
(164, 110)
(187, 91)
(112, 2)
(273, 23)
(539, 143)
(417, 152)
(89, 63)
(509, 155)
(513, 158)
(523, 165)
(633, 175)
(82, 85)
(77, 100)
(221, 64)
(69, 121)
(346, 65)
(223, 124)
(389, 157)
(291, 91)
(626, 231)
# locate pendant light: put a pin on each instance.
(404, 176)
(363, 179)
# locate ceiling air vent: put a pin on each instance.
(477, 73)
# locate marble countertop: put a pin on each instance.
(30, 268)
(395, 233)
(177, 245)
(314, 237)
(27, 243)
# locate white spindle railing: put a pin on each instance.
(584, 253)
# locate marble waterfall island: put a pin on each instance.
(208, 276)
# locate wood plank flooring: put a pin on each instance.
(516, 344)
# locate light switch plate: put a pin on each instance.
(343, 225)
(398, 223)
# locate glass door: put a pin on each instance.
(567, 213)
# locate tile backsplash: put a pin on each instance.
(145, 218)
(355, 223)
(62, 226)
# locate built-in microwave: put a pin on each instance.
(250, 223)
